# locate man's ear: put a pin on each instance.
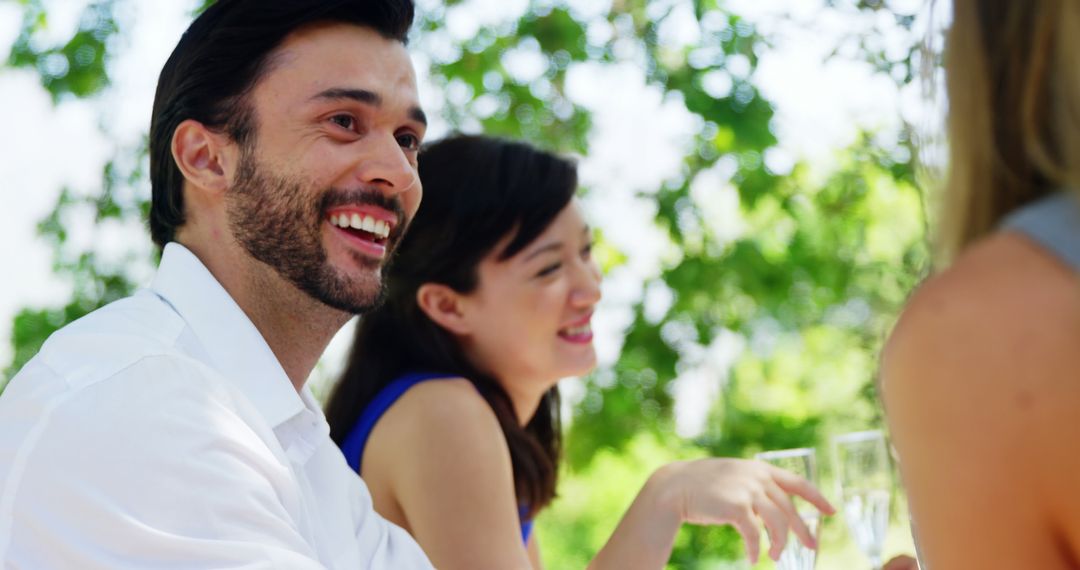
(203, 156)
(444, 306)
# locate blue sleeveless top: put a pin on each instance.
(1054, 223)
(353, 446)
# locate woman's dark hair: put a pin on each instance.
(477, 191)
(216, 64)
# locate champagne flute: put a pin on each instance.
(801, 462)
(862, 470)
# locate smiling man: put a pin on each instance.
(173, 428)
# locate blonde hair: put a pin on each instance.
(1013, 82)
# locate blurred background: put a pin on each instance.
(754, 170)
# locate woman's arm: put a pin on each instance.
(443, 456)
(534, 551)
(980, 385)
(714, 492)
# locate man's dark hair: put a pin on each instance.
(217, 63)
(477, 191)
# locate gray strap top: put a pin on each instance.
(1054, 223)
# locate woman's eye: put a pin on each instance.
(344, 121)
(549, 270)
(409, 142)
(586, 252)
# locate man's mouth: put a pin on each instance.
(362, 225)
(367, 231)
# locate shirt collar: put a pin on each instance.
(235, 347)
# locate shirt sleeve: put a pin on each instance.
(152, 468)
(382, 543)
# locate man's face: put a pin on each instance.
(326, 188)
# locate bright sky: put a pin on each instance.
(636, 143)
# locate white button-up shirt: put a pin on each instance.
(161, 432)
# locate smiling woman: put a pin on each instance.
(449, 406)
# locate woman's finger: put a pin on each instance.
(747, 527)
(795, 485)
(775, 522)
(798, 525)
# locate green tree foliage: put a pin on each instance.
(810, 285)
(76, 67)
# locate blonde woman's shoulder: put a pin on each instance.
(981, 383)
(1006, 304)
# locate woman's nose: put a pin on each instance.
(587, 289)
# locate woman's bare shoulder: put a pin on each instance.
(979, 380)
(448, 401)
(1006, 310)
(448, 470)
(443, 412)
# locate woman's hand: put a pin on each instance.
(709, 491)
(738, 492)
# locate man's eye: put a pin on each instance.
(344, 121)
(409, 142)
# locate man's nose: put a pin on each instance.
(386, 165)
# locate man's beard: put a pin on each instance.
(275, 219)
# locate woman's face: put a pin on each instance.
(529, 317)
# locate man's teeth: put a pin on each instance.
(578, 331)
(363, 223)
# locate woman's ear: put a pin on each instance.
(444, 306)
(203, 156)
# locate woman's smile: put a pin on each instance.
(578, 332)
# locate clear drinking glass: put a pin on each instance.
(862, 471)
(801, 462)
